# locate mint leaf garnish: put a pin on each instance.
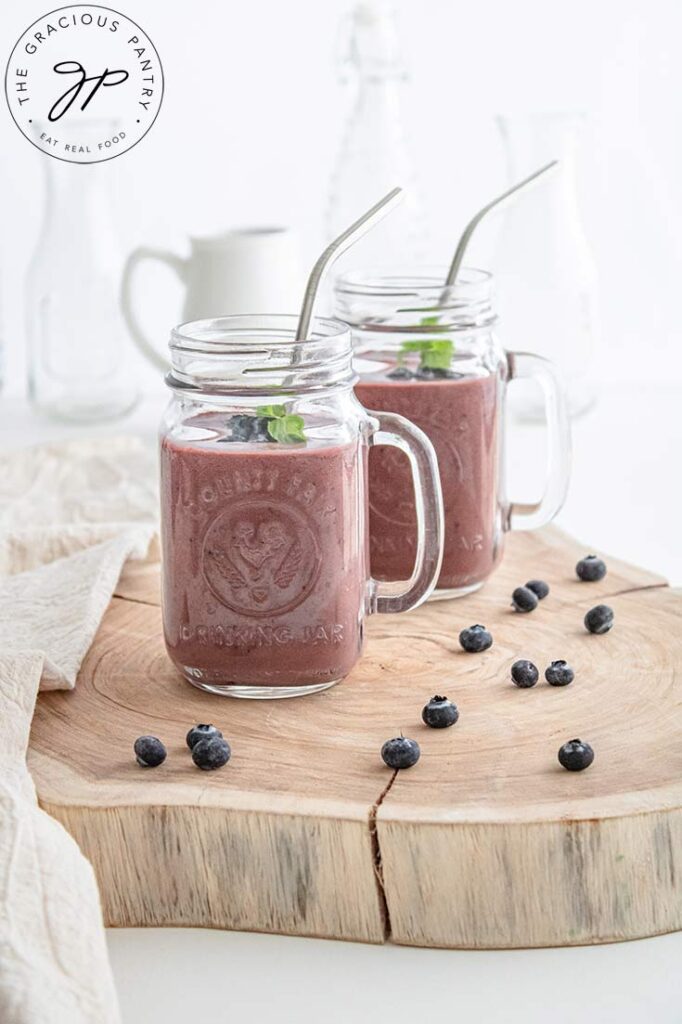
(284, 427)
(436, 353)
(271, 410)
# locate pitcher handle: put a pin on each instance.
(136, 257)
(400, 597)
(528, 366)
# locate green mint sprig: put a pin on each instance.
(436, 353)
(287, 428)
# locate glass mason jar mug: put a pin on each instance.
(431, 354)
(264, 510)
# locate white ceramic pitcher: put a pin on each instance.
(247, 270)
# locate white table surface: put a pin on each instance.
(624, 498)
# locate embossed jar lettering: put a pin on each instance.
(264, 512)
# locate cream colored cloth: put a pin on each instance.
(70, 516)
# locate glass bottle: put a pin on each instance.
(78, 347)
(431, 354)
(264, 513)
(374, 154)
(546, 273)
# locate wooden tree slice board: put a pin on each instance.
(486, 842)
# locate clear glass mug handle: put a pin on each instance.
(137, 257)
(400, 597)
(528, 366)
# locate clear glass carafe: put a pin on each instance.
(264, 512)
(432, 355)
(78, 347)
(545, 269)
(375, 151)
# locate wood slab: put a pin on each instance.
(486, 842)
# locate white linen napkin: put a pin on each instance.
(70, 516)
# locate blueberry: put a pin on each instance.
(559, 674)
(201, 732)
(475, 639)
(260, 429)
(590, 569)
(575, 755)
(149, 751)
(211, 753)
(599, 619)
(436, 373)
(524, 600)
(400, 752)
(400, 373)
(431, 373)
(524, 674)
(439, 713)
(241, 427)
(539, 588)
(249, 428)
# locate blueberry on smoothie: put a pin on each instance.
(436, 373)
(244, 427)
(241, 427)
(261, 431)
(400, 373)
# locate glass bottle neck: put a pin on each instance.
(533, 139)
(79, 205)
(373, 52)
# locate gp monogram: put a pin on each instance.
(84, 83)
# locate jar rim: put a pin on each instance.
(238, 331)
(399, 280)
(415, 300)
(247, 353)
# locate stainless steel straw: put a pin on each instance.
(335, 249)
(456, 264)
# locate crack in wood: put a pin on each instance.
(134, 600)
(376, 855)
(638, 590)
(580, 850)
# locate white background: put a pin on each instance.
(253, 113)
(248, 133)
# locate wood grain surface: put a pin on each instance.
(486, 842)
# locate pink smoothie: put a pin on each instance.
(461, 418)
(264, 561)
